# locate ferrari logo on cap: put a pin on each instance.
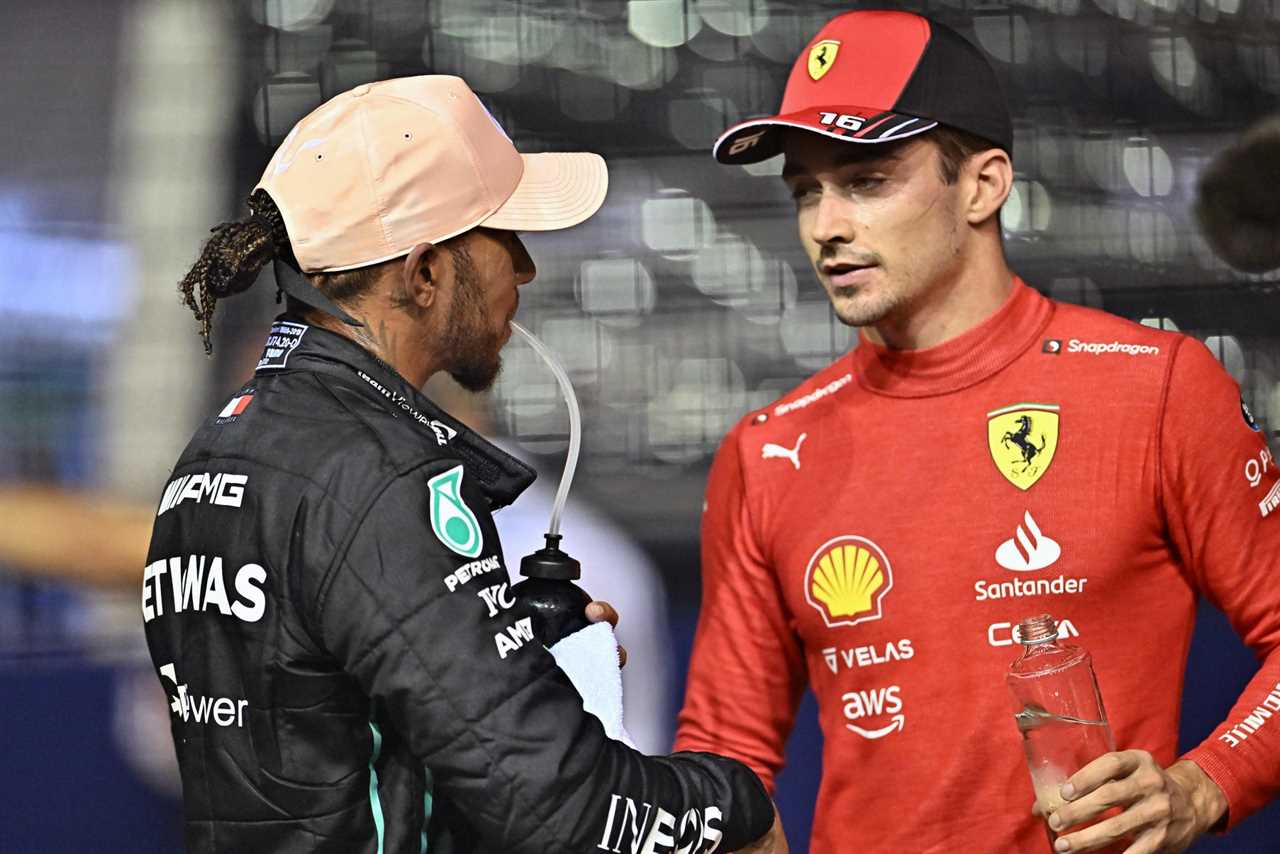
(1022, 439)
(822, 56)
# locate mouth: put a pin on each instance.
(843, 274)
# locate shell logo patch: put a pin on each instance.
(821, 57)
(846, 581)
(1022, 439)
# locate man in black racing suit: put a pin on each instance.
(324, 595)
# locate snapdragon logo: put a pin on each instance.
(193, 708)
(1098, 348)
(813, 396)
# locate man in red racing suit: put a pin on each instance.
(984, 455)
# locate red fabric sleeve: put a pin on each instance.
(1216, 520)
(747, 670)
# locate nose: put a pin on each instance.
(832, 220)
(521, 262)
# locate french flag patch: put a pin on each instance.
(235, 406)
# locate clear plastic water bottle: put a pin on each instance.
(1058, 709)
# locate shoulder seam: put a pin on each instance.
(1162, 411)
(742, 478)
(264, 464)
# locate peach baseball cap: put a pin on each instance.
(375, 171)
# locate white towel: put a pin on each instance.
(590, 659)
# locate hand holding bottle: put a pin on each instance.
(1164, 810)
(1128, 802)
(602, 612)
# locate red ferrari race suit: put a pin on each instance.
(879, 532)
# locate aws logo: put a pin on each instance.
(846, 581)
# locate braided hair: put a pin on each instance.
(232, 258)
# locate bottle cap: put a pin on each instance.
(550, 562)
(1038, 629)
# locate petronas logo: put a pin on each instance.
(451, 519)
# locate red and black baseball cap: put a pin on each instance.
(873, 76)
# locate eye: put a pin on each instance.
(803, 192)
(864, 182)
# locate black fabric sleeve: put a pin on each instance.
(485, 707)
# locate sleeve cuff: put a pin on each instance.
(1238, 800)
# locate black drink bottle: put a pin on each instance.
(548, 596)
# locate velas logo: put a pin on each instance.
(821, 57)
(846, 581)
(451, 519)
(1052, 346)
(867, 656)
(1022, 439)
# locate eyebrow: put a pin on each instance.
(790, 169)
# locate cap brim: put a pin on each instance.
(759, 139)
(557, 190)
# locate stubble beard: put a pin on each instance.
(855, 306)
(473, 350)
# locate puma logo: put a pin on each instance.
(770, 451)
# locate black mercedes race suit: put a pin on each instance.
(326, 606)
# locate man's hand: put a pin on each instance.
(1165, 810)
(773, 842)
(603, 612)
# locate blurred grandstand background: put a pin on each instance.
(132, 126)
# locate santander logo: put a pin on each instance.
(1029, 549)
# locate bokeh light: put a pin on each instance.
(616, 291)
(676, 223)
(813, 336)
(290, 15)
(734, 17)
(662, 23)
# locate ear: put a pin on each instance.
(992, 180)
(421, 275)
